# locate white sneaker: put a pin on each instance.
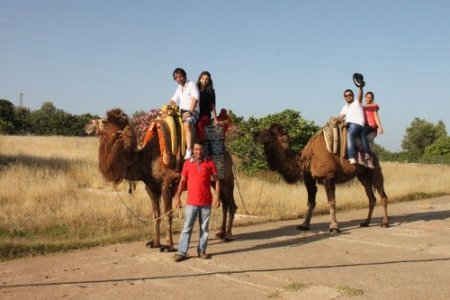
(188, 154)
(352, 161)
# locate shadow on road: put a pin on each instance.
(320, 231)
(144, 278)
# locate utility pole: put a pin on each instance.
(21, 100)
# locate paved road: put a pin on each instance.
(409, 260)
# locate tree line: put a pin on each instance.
(47, 120)
(423, 141)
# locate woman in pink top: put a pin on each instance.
(373, 122)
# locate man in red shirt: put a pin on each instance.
(196, 175)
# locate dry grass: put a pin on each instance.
(53, 198)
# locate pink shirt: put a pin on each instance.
(369, 111)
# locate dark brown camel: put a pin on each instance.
(119, 159)
(314, 164)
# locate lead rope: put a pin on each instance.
(135, 216)
(239, 191)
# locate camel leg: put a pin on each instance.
(154, 197)
(311, 188)
(366, 181)
(231, 209)
(378, 183)
(228, 210)
(330, 189)
(221, 233)
(168, 216)
(384, 200)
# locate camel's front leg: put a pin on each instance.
(330, 189)
(168, 216)
(311, 188)
(154, 198)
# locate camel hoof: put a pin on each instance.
(385, 225)
(302, 227)
(364, 224)
(167, 249)
(334, 230)
(220, 235)
(152, 244)
(227, 239)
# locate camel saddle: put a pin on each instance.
(335, 135)
(168, 126)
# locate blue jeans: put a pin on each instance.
(203, 213)
(353, 130)
(365, 141)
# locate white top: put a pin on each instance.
(354, 113)
(184, 94)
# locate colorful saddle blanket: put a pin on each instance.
(215, 147)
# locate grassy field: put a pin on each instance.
(53, 198)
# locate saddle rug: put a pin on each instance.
(215, 147)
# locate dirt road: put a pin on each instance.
(409, 260)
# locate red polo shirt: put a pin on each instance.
(198, 177)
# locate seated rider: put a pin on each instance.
(207, 103)
(355, 119)
(186, 96)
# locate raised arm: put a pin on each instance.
(360, 94)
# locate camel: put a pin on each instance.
(120, 158)
(315, 165)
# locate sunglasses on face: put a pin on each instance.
(348, 95)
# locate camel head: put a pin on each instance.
(95, 126)
(118, 145)
(276, 135)
(278, 154)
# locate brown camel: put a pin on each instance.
(120, 158)
(314, 164)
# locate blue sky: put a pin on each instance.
(264, 56)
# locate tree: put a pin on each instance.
(440, 129)
(421, 134)
(7, 117)
(22, 119)
(439, 151)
